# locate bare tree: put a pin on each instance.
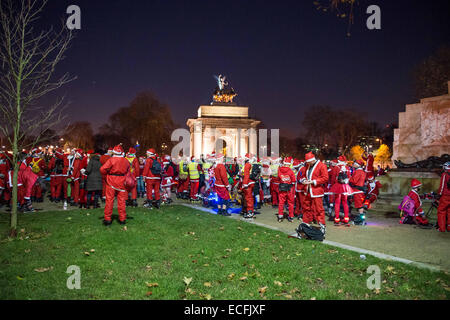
(28, 59)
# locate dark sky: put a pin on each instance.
(280, 56)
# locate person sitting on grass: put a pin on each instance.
(411, 207)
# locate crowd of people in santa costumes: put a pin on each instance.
(300, 187)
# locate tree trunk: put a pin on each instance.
(13, 226)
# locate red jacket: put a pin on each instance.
(358, 178)
(135, 168)
(443, 185)
(220, 173)
(286, 175)
(369, 164)
(247, 181)
(417, 202)
(318, 173)
(373, 187)
(147, 174)
(300, 187)
(115, 169)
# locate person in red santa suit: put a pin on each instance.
(115, 170)
(443, 211)
(300, 189)
(83, 178)
(38, 167)
(152, 175)
(56, 167)
(4, 168)
(373, 190)
(105, 157)
(247, 186)
(135, 169)
(222, 185)
(75, 176)
(341, 190)
(28, 178)
(286, 192)
(68, 160)
(194, 170)
(316, 175)
(356, 182)
(368, 157)
(167, 179)
(274, 180)
(332, 177)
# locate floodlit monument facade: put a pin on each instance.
(223, 126)
(423, 130)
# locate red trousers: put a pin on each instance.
(274, 190)
(183, 185)
(104, 183)
(358, 199)
(37, 191)
(313, 209)
(249, 200)
(56, 183)
(299, 196)
(134, 193)
(337, 207)
(443, 213)
(283, 197)
(111, 194)
(152, 185)
(194, 189)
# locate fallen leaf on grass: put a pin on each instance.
(278, 283)
(125, 228)
(187, 281)
(221, 228)
(207, 284)
(288, 296)
(340, 291)
(262, 290)
(87, 253)
(206, 265)
(27, 251)
(243, 278)
(246, 249)
(92, 250)
(313, 298)
(231, 276)
(190, 291)
(149, 293)
(228, 250)
(239, 228)
(153, 284)
(43, 269)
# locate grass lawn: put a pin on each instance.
(178, 253)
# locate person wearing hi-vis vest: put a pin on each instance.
(115, 169)
(37, 166)
(194, 178)
(134, 167)
(183, 179)
(152, 175)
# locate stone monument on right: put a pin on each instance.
(423, 131)
(421, 145)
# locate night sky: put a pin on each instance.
(280, 56)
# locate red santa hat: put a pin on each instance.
(287, 161)
(90, 151)
(370, 176)
(151, 152)
(296, 163)
(248, 156)
(132, 151)
(309, 157)
(118, 150)
(415, 183)
(35, 150)
(341, 158)
(334, 162)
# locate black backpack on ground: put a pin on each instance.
(255, 172)
(156, 167)
(307, 231)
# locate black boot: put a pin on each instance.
(135, 204)
(157, 204)
(107, 223)
(123, 222)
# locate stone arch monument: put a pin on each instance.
(223, 121)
